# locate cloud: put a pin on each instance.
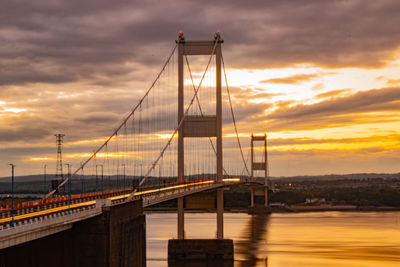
(77, 67)
(306, 141)
(294, 163)
(336, 111)
(389, 82)
(248, 94)
(295, 79)
(318, 86)
(101, 42)
(393, 82)
(27, 134)
(247, 112)
(333, 93)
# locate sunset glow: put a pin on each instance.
(322, 95)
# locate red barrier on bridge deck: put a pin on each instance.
(56, 200)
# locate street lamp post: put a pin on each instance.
(69, 187)
(102, 178)
(82, 180)
(96, 182)
(141, 174)
(159, 177)
(12, 194)
(44, 181)
(124, 178)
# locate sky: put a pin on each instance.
(321, 78)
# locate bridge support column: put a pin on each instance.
(220, 175)
(259, 208)
(194, 126)
(181, 219)
(181, 153)
(220, 214)
(251, 197)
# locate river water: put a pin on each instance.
(287, 239)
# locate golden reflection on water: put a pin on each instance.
(302, 239)
(254, 236)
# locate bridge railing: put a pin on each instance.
(94, 207)
(35, 206)
(33, 227)
(10, 236)
(46, 216)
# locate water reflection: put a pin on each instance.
(201, 264)
(253, 236)
(328, 239)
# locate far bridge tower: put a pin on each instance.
(259, 165)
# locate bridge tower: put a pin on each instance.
(259, 166)
(200, 126)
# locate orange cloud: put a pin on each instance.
(295, 79)
(371, 144)
(332, 93)
(41, 159)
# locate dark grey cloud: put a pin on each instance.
(334, 33)
(26, 133)
(246, 112)
(337, 111)
(47, 42)
(246, 94)
(60, 41)
(372, 100)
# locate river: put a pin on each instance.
(289, 239)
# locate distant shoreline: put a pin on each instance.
(300, 208)
(290, 209)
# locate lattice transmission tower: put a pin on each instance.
(59, 166)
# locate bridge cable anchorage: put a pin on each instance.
(179, 124)
(233, 115)
(118, 128)
(200, 109)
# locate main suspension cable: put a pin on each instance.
(233, 116)
(118, 128)
(200, 109)
(179, 124)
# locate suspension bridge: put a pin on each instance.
(168, 146)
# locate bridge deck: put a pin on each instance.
(52, 220)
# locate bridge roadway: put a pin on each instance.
(34, 225)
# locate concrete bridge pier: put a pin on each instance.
(183, 251)
(259, 208)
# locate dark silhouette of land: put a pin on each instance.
(362, 191)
